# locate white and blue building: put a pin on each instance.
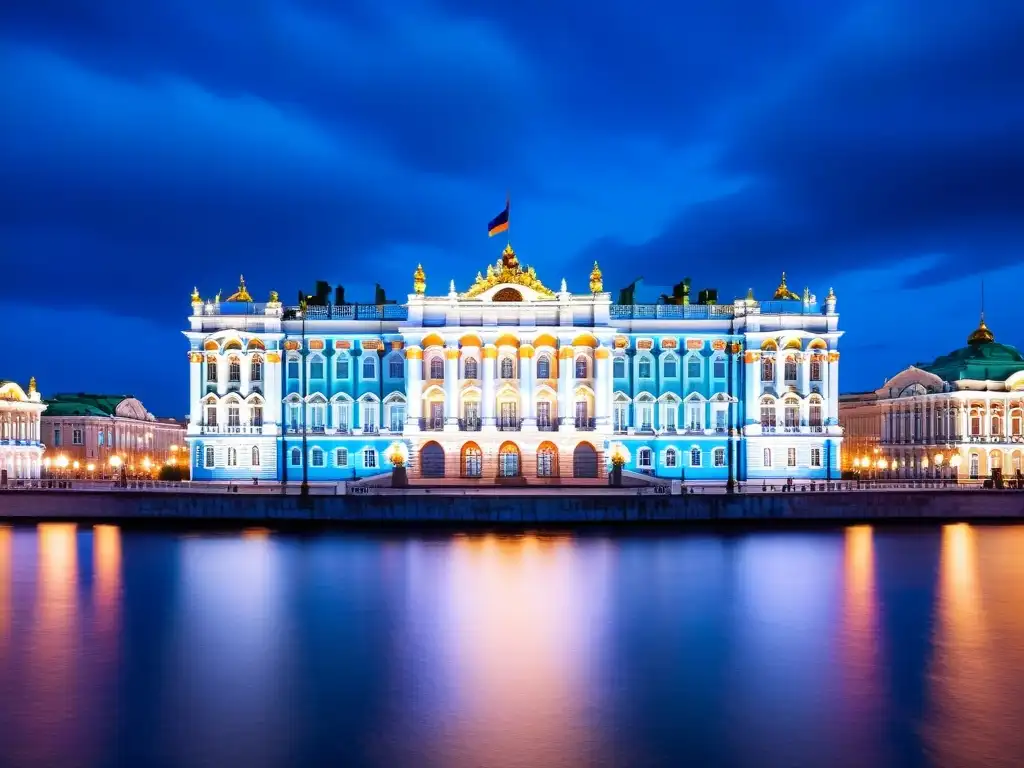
(510, 381)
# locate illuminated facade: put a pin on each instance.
(961, 415)
(510, 380)
(21, 451)
(84, 430)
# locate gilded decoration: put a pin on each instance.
(242, 294)
(490, 352)
(833, 357)
(397, 344)
(195, 357)
(694, 344)
(783, 292)
(602, 353)
(752, 356)
(32, 386)
(196, 299)
(273, 357)
(526, 351)
(644, 344)
(372, 345)
(341, 344)
(566, 353)
(451, 354)
(718, 345)
(274, 298)
(316, 344)
(507, 270)
(419, 280)
(291, 345)
(669, 343)
(621, 342)
(413, 353)
(596, 280)
(735, 348)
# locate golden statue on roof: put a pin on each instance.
(507, 270)
(596, 279)
(783, 292)
(242, 294)
(32, 386)
(419, 280)
(195, 295)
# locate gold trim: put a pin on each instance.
(507, 271)
(273, 357)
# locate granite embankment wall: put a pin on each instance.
(560, 508)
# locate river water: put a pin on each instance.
(847, 647)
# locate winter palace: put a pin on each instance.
(511, 381)
(21, 450)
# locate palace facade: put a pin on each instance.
(959, 416)
(21, 451)
(511, 380)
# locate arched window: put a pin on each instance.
(975, 423)
(791, 413)
(693, 367)
(547, 461)
(767, 369)
(643, 458)
(370, 367)
(208, 458)
(211, 368)
(719, 457)
(790, 370)
(256, 369)
(767, 457)
(768, 414)
(396, 367)
(507, 368)
(472, 461)
(232, 457)
(996, 424)
(671, 367)
(316, 367)
(316, 457)
(469, 368)
(255, 456)
(815, 370)
(695, 457)
(296, 455)
(234, 369)
(815, 413)
(341, 457)
(1015, 424)
(544, 367)
(644, 367)
(619, 368)
(436, 368)
(671, 458)
(341, 367)
(581, 367)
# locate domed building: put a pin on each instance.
(21, 452)
(961, 415)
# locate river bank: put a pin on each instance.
(563, 507)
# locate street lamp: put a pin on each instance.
(939, 458)
(955, 464)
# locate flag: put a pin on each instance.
(499, 223)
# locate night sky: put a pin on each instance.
(146, 147)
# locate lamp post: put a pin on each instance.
(939, 458)
(304, 488)
(954, 464)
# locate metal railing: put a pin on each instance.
(584, 424)
(469, 425)
(509, 425)
(430, 424)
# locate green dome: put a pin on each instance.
(980, 359)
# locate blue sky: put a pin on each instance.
(870, 145)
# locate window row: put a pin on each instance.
(790, 458)
(691, 415)
(340, 458)
(233, 456)
(693, 365)
(670, 458)
(340, 415)
(790, 414)
(789, 372)
(235, 369)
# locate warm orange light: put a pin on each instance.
(115, 461)
(90, 467)
(75, 465)
(62, 461)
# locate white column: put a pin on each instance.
(490, 353)
(780, 372)
(195, 390)
(751, 380)
(413, 388)
(804, 373)
(527, 402)
(833, 386)
(222, 375)
(245, 364)
(565, 385)
(451, 388)
(603, 387)
(272, 391)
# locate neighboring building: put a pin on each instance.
(861, 419)
(21, 452)
(93, 429)
(962, 413)
(512, 379)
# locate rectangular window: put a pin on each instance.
(543, 414)
(719, 457)
(369, 417)
(693, 367)
(720, 415)
(815, 457)
(76, 437)
(670, 417)
(396, 368)
(646, 415)
(56, 436)
(719, 370)
(257, 415)
(670, 458)
(208, 458)
(643, 458)
(695, 416)
(293, 368)
(316, 368)
(370, 458)
(341, 457)
(621, 417)
(397, 418)
(233, 416)
(99, 437)
(341, 368)
(670, 368)
(791, 457)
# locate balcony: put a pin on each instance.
(430, 424)
(584, 424)
(218, 429)
(318, 429)
(547, 426)
(509, 425)
(469, 425)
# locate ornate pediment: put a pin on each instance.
(507, 271)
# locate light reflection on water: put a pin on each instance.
(862, 646)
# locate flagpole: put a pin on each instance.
(508, 230)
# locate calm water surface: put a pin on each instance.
(855, 647)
